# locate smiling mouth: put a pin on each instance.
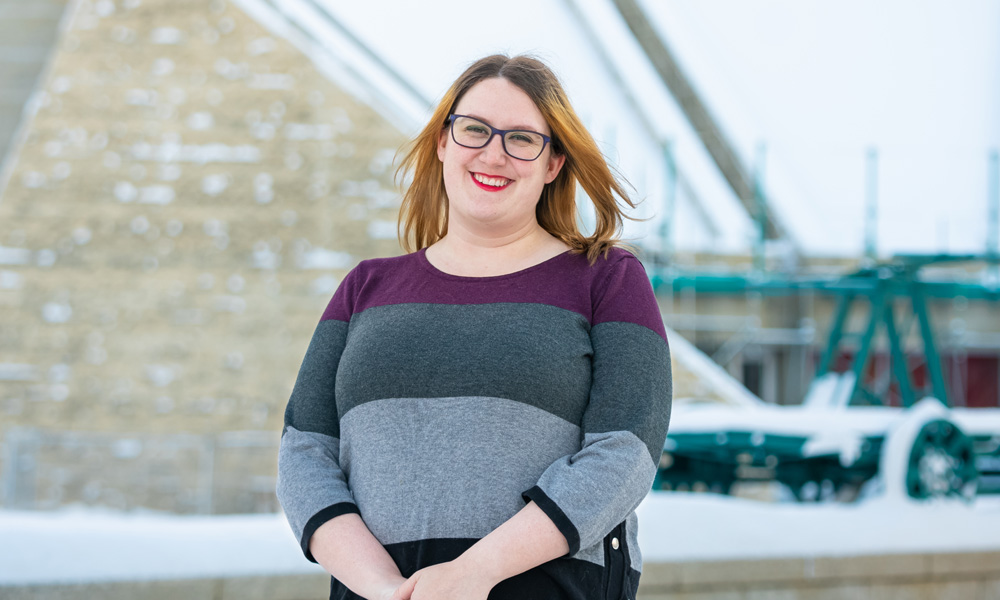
(490, 183)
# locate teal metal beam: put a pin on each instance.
(733, 284)
(718, 145)
(900, 367)
(669, 203)
(836, 333)
(993, 204)
(877, 302)
(882, 285)
(760, 211)
(993, 215)
(930, 348)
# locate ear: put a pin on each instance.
(555, 165)
(442, 143)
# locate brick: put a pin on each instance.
(987, 563)
(924, 591)
(278, 587)
(836, 591)
(958, 590)
(871, 567)
(715, 595)
(697, 574)
(657, 576)
(188, 317)
(123, 590)
(772, 594)
(990, 589)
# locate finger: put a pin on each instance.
(406, 589)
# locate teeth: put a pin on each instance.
(493, 181)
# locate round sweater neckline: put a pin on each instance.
(426, 264)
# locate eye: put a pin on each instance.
(524, 138)
(471, 130)
(476, 129)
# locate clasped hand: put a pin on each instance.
(445, 581)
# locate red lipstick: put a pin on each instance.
(489, 188)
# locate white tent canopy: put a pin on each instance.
(817, 86)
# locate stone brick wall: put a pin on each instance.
(964, 575)
(188, 194)
(959, 576)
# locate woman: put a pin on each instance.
(482, 416)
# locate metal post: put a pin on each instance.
(871, 205)
(878, 303)
(900, 367)
(760, 210)
(669, 204)
(836, 333)
(930, 349)
(993, 204)
(716, 142)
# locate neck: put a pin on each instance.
(471, 253)
(480, 238)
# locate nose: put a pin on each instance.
(493, 151)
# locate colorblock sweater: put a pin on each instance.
(436, 406)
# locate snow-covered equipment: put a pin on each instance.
(845, 437)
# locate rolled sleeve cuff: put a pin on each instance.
(552, 510)
(314, 523)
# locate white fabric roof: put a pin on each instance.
(822, 82)
(818, 84)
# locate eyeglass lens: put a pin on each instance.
(473, 133)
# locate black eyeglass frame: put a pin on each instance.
(494, 131)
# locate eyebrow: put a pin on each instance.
(514, 128)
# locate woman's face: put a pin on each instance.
(487, 188)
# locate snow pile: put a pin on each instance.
(82, 546)
(709, 373)
(895, 461)
(689, 527)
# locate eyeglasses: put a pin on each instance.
(518, 143)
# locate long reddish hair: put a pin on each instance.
(423, 215)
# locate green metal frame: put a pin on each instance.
(882, 287)
(882, 313)
(716, 460)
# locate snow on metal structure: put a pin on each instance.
(845, 436)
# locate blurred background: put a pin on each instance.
(184, 183)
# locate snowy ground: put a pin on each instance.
(79, 546)
(682, 527)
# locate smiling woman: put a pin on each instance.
(424, 214)
(492, 194)
(480, 417)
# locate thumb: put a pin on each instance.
(404, 591)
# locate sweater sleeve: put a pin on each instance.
(312, 488)
(625, 423)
